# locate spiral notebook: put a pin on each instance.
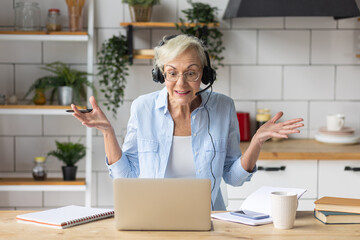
(65, 217)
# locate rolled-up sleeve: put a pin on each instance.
(128, 165)
(234, 174)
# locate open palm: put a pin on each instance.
(280, 130)
(95, 119)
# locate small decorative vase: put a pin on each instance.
(140, 13)
(39, 98)
(65, 95)
(69, 173)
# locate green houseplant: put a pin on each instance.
(40, 86)
(113, 62)
(69, 153)
(140, 10)
(64, 79)
(201, 15)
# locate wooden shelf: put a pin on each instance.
(130, 25)
(30, 181)
(164, 24)
(143, 54)
(35, 109)
(42, 33)
(44, 36)
(51, 184)
(86, 37)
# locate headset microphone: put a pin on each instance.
(203, 90)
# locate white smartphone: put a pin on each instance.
(250, 214)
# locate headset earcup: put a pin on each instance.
(205, 77)
(157, 76)
(209, 75)
(212, 75)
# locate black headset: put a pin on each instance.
(208, 76)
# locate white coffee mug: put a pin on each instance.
(335, 122)
(283, 209)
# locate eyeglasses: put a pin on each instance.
(190, 76)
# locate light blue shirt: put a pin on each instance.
(150, 129)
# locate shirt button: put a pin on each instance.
(196, 153)
(193, 117)
(194, 134)
(199, 171)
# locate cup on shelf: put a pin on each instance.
(335, 122)
(12, 100)
(283, 209)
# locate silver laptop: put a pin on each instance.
(162, 204)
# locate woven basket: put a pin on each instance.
(140, 13)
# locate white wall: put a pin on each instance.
(305, 67)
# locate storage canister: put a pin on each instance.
(27, 16)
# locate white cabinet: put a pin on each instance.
(279, 173)
(319, 177)
(335, 181)
(25, 184)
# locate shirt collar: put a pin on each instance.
(162, 99)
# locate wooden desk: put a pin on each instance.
(306, 227)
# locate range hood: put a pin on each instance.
(299, 8)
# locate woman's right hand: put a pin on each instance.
(95, 119)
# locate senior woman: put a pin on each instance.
(181, 131)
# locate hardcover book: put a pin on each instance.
(337, 217)
(335, 204)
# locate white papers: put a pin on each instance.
(232, 218)
(258, 201)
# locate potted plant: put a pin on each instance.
(69, 153)
(66, 82)
(113, 62)
(201, 15)
(40, 86)
(140, 10)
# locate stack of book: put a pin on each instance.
(337, 210)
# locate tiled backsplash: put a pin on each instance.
(305, 67)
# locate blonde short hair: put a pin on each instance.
(169, 49)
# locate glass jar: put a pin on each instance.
(27, 16)
(53, 20)
(39, 170)
(262, 116)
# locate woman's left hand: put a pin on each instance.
(279, 130)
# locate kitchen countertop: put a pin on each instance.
(305, 149)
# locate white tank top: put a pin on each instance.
(181, 160)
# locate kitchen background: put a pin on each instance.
(303, 66)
